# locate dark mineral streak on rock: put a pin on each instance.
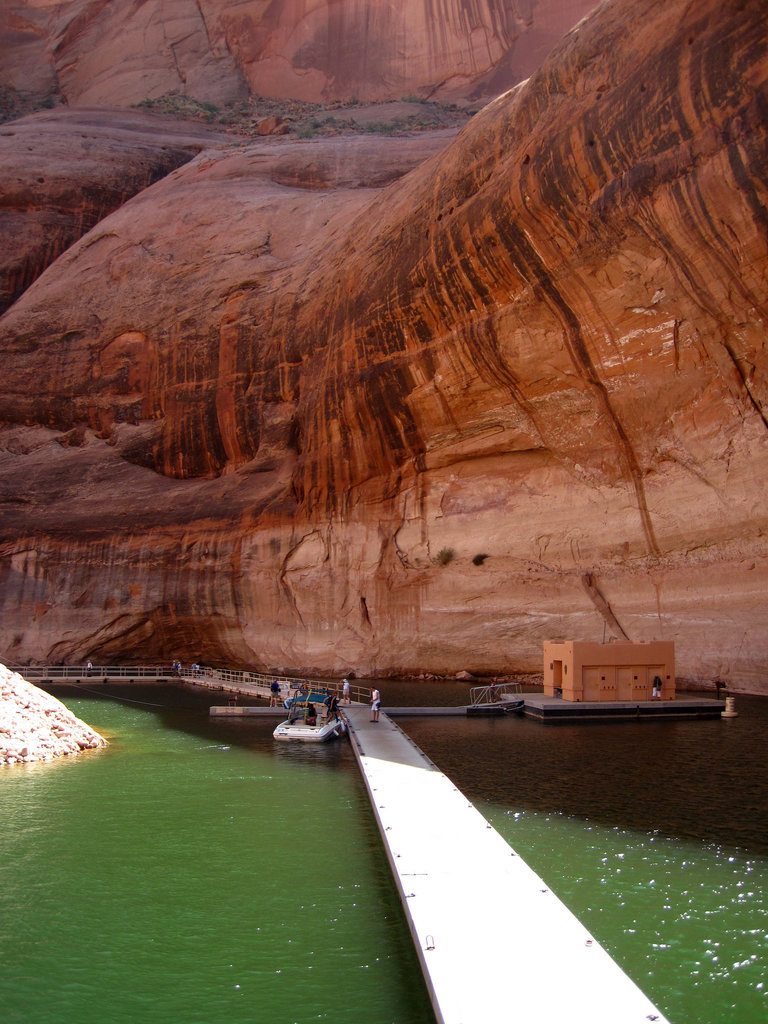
(122, 52)
(244, 414)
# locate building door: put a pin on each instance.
(590, 679)
(599, 682)
(624, 681)
(557, 678)
(641, 689)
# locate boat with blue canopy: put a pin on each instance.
(313, 717)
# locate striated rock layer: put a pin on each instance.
(62, 173)
(219, 51)
(275, 411)
(34, 726)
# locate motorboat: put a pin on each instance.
(495, 699)
(313, 717)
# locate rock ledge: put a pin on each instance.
(34, 726)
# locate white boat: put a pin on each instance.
(313, 717)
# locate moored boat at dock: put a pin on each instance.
(495, 699)
(313, 717)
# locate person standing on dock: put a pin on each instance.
(345, 690)
(375, 704)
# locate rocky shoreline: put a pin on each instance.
(34, 726)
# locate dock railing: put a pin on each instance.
(95, 672)
(493, 693)
(235, 679)
(241, 682)
(220, 678)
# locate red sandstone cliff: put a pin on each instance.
(274, 411)
(61, 173)
(217, 51)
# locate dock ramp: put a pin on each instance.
(495, 944)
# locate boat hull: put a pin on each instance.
(498, 708)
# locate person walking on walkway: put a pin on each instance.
(345, 690)
(375, 704)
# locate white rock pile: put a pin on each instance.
(34, 726)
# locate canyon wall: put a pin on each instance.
(218, 51)
(292, 407)
(62, 173)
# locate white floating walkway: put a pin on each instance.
(494, 943)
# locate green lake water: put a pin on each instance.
(196, 871)
(175, 877)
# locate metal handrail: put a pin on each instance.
(95, 672)
(225, 677)
(359, 694)
(493, 693)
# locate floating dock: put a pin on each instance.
(543, 709)
(494, 943)
(260, 711)
(236, 684)
(555, 709)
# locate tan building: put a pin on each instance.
(581, 671)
